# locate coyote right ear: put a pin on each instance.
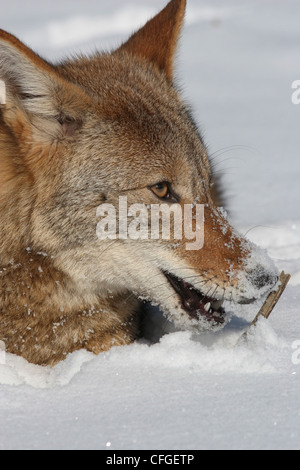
(33, 95)
(157, 40)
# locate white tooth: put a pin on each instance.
(207, 306)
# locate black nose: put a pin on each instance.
(260, 278)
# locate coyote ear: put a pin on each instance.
(33, 94)
(157, 40)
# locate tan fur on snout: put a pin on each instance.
(72, 137)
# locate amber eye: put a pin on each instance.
(161, 190)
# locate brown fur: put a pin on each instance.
(73, 136)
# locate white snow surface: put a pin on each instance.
(236, 64)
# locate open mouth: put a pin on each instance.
(195, 303)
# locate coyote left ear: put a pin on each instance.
(157, 40)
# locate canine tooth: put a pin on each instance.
(207, 306)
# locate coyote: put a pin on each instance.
(85, 132)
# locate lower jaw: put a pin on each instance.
(199, 307)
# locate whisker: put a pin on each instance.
(230, 148)
(257, 226)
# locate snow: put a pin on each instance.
(236, 65)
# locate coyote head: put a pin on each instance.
(90, 130)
